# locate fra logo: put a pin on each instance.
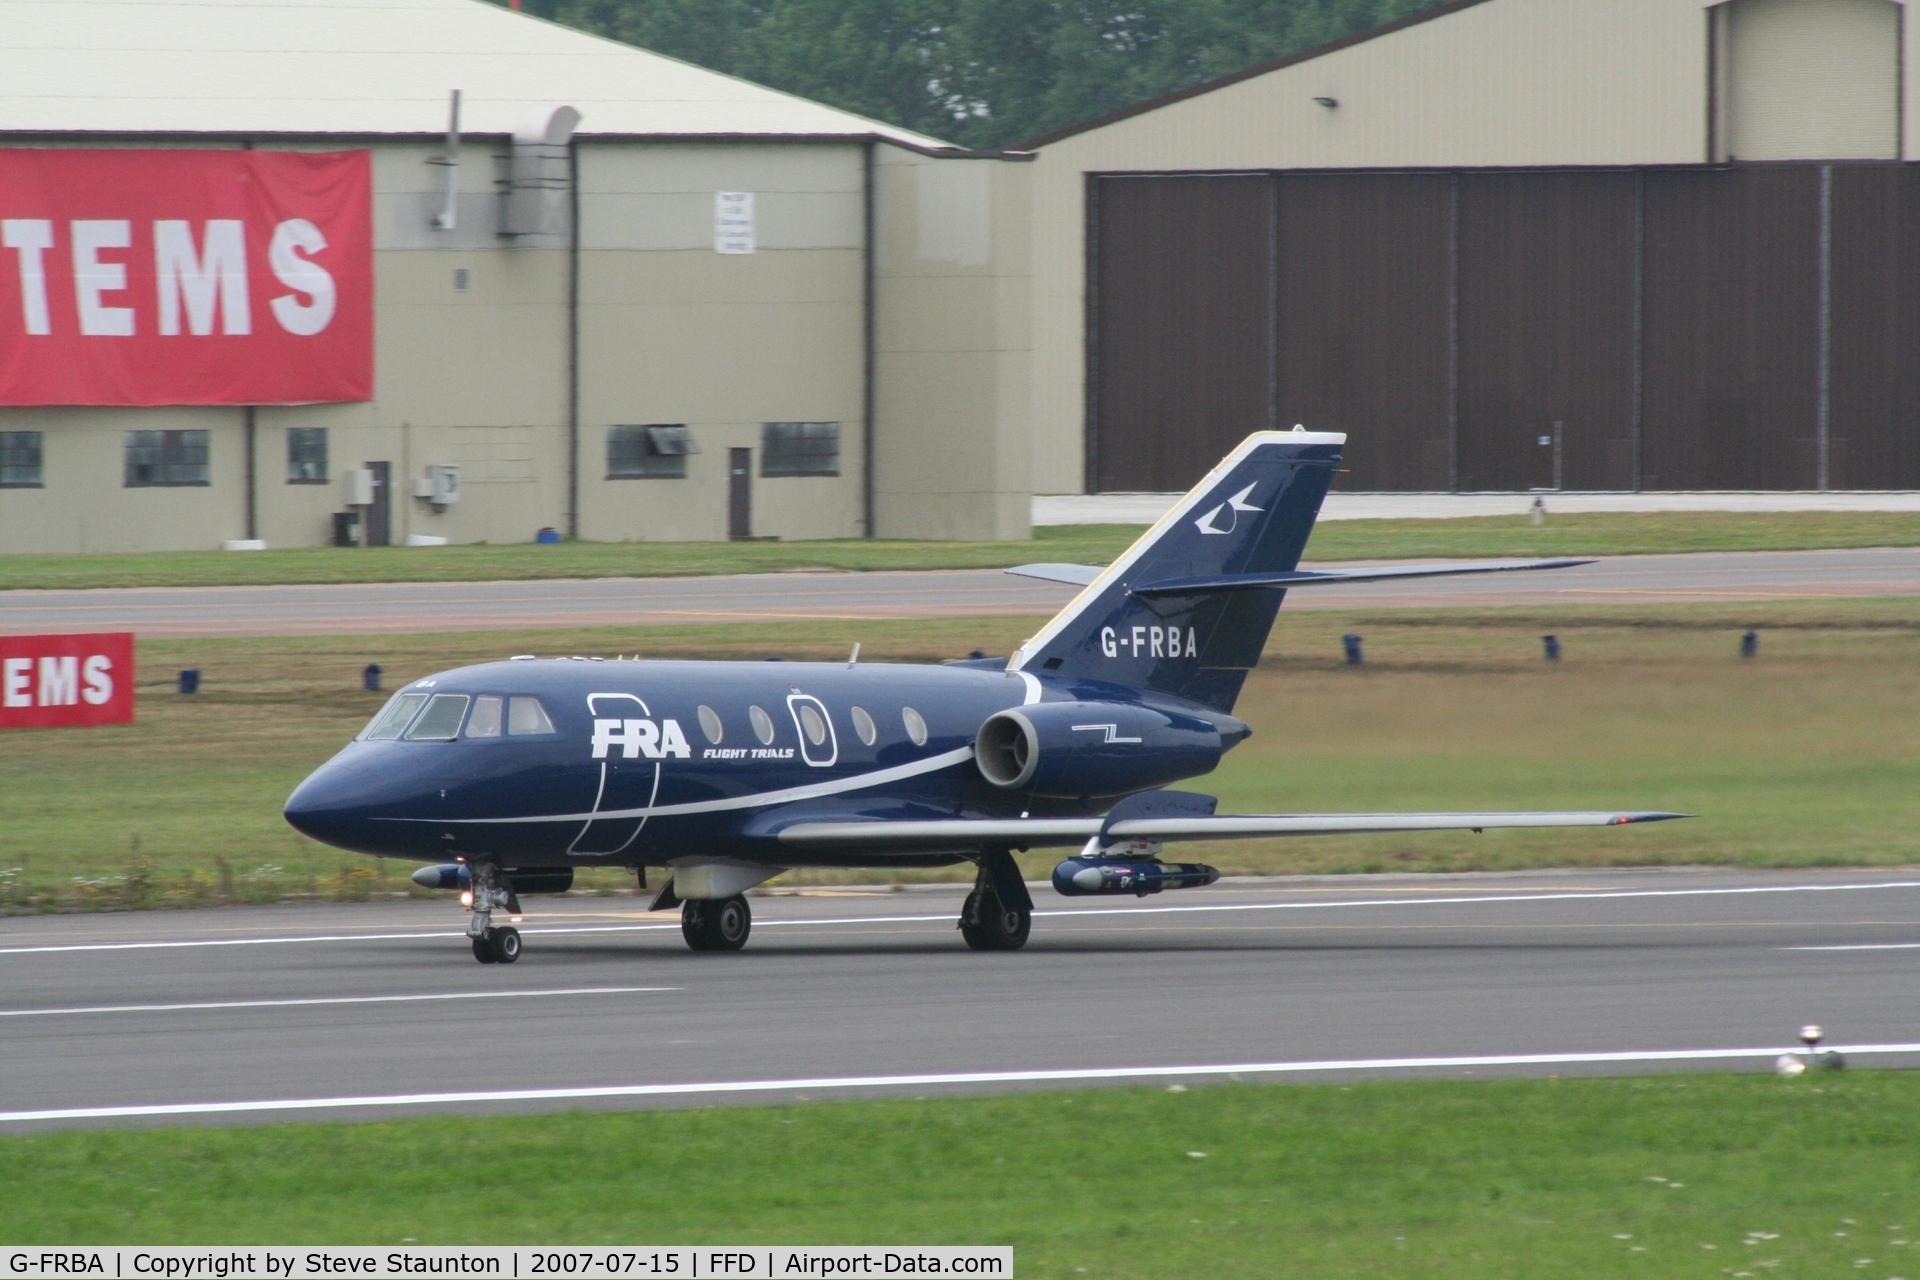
(637, 738)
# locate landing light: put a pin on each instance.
(466, 899)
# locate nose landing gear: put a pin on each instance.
(497, 946)
(491, 892)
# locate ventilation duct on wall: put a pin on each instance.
(537, 172)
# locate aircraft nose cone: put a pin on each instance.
(328, 807)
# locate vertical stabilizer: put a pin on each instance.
(1251, 514)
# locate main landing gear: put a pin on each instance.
(491, 892)
(716, 924)
(998, 914)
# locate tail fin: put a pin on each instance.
(1249, 515)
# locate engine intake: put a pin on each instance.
(1073, 749)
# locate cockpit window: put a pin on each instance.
(525, 716)
(441, 720)
(485, 720)
(394, 717)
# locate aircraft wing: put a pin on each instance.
(962, 833)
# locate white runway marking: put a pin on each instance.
(918, 1081)
(1863, 946)
(1071, 913)
(294, 1004)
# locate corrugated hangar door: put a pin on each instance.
(1179, 335)
(1874, 431)
(1546, 331)
(1731, 329)
(1224, 304)
(1362, 323)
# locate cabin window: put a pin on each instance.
(440, 722)
(710, 725)
(863, 725)
(485, 720)
(762, 725)
(815, 727)
(526, 717)
(916, 727)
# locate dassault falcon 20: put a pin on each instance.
(508, 775)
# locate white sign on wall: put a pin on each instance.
(733, 222)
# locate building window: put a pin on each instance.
(649, 452)
(306, 455)
(161, 458)
(20, 460)
(800, 449)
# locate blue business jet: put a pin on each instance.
(508, 775)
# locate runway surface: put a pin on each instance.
(469, 606)
(212, 1016)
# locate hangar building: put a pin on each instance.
(703, 309)
(1505, 244)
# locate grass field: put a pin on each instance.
(1807, 756)
(1605, 533)
(1671, 1177)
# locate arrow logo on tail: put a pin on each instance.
(1236, 504)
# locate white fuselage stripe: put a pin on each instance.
(759, 799)
(318, 1000)
(1067, 914)
(1067, 1076)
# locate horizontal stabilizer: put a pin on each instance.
(1034, 833)
(1321, 577)
(1077, 575)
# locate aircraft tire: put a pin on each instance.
(483, 948)
(506, 944)
(987, 926)
(716, 925)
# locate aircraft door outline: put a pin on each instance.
(808, 748)
(573, 848)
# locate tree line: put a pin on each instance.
(979, 73)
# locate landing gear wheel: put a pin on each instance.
(988, 926)
(506, 944)
(497, 946)
(716, 924)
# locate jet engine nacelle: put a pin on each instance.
(1073, 749)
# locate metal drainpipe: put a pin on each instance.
(248, 417)
(573, 341)
(867, 340)
(1823, 424)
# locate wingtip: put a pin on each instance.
(1661, 816)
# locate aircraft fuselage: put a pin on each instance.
(643, 762)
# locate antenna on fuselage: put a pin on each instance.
(856, 656)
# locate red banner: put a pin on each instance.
(185, 277)
(50, 681)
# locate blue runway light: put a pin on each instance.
(1351, 644)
